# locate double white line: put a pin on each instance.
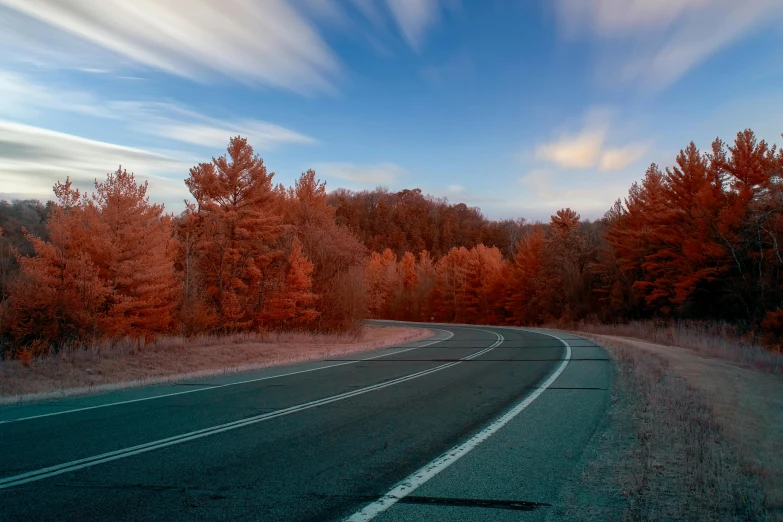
(51, 471)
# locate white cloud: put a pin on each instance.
(621, 157)
(32, 159)
(20, 96)
(573, 151)
(262, 135)
(544, 194)
(664, 38)
(414, 17)
(185, 126)
(537, 181)
(456, 189)
(267, 42)
(376, 174)
(587, 148)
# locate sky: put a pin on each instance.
(518, 107)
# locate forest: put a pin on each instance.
(697, 240)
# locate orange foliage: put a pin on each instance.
(236, 225)
(698, 240)
(291, 304)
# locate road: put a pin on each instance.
(355, 438)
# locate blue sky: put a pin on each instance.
(519, 107)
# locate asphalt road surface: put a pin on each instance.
(476, 423)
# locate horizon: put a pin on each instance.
(516, 109)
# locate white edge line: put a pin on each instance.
(206, 388)
(429, 470)
(58, 469)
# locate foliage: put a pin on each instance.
(699, 240)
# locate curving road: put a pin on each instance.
(476, 423)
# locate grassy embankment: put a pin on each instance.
(127, 363)
(694, 430)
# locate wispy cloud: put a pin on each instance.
(587, 148)
(370, 175)
(664, 38)
(21, 96)
(414, 17)
(460, 193)
(544, 193)
(573, 151)
(621, 157)
(32, 159)
(269, 42)
(178, 123)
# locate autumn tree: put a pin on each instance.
(527, 301)
(59, 294)
(238, 226)
(382, 283)
(292, 303)
(134, 254)
(338, 257)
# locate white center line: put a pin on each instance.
(51, 471)
(425, 473)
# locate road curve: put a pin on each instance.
(324, 440)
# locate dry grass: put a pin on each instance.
(718, 340)
(128, 363)
(664, 455)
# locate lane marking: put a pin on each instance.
(51, 471)
(429, 470)
(208, 387)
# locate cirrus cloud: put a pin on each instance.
(368, 174)
(268, 42)
(663, 39)
(33, 159)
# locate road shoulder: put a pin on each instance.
(665, 453)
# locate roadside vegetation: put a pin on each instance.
(129, 362)
(666, 454)
(698, 241)
(720, 340)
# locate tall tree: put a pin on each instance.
(238, 227)
(135, 257)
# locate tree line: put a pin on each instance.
(699, 240)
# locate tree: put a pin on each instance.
(291, 304)
(338, 257)
(238, 226)
(135, 256)
(527, 302)
(59, 294)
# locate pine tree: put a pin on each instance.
(292, 304)
(239, 223)
(135, 257)
(59, 294)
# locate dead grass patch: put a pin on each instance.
(713, 339)
(129, 363)
(664, 455)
